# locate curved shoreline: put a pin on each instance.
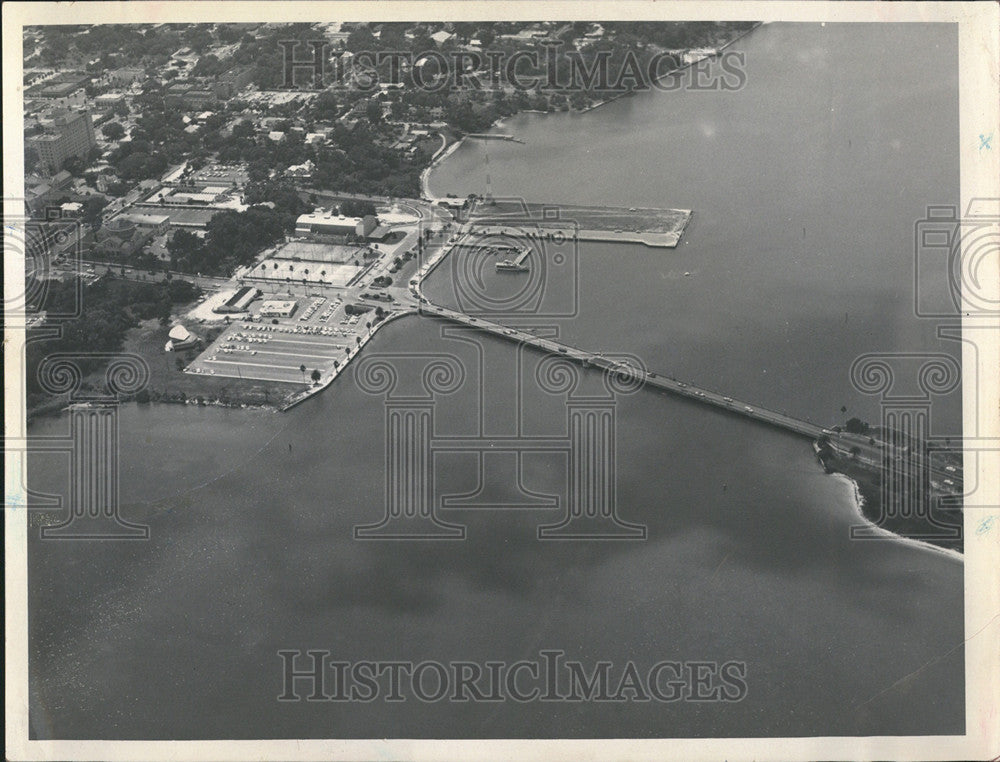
(444, 152)
(321, 385)
(858, 503)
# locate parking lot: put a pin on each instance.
(275, 348)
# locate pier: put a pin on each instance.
(494, 136)
(515, 265)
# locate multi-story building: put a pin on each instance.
(67, 133)
(189, 95)
(125, 75)
(329, 224)
(63, 90)
(231, 82)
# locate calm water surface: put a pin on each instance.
(843, 131)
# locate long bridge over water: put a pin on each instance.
(410, 300)
(597, 359)
(647, 377)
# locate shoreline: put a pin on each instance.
(445, 151)
(300, 397)
(863, 507)
(442, 153)
(666, 74)
(858, 503)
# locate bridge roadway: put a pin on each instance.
(413, 298)
(648, 378)
(868, 454)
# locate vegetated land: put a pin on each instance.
(920, 524)
(359, 155)
(118, 315)
(169, 383)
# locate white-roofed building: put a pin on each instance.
(180, 338)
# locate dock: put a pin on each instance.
(515, 265)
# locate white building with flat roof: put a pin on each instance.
(277, 308)
(328, 223)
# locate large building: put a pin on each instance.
(189, 95)
(232, 81)
(68, 133)
(330, 224)
(239, 301)
(66, 89)
(125, 75)
(278, 308)
(152, 223)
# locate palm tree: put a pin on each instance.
(302, 370)
(369, 324)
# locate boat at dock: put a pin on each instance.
(507, 266)
(515, 265)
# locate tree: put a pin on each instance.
(374, 112)
(324, 106)
(31, 160)
(315, 376)
(92, 209)
(302, 370)
(113, 131)
(856, 426)
(186, 249)
(357, 208)
(73, 165)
